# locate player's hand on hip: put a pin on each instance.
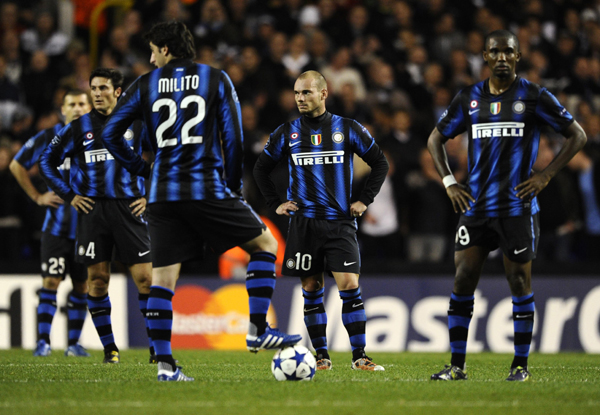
(357, 209)
(138, 207)
(531, 187)
(49, 199)
(286, 208)
(82, 204)
(460, 197)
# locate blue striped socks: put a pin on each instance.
(460, 313)
(523, 313)
(45, 313)
(260, 283)
(100, 309)
(76, 312)
(143, 300)
(316, 321)
(355, 320)
(160, 322)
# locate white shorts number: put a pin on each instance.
(462, 236)
(91, 250)
(57, 266)
(303, 261)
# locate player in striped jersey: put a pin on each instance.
(319, 149)
(110, 202)
(193, 116)
(502, 117)
(58, 238)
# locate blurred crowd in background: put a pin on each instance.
(393, 65)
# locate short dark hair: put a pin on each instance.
(317, 76)
(114, 75)
(502, 34)
(75, 93)
(174, 35)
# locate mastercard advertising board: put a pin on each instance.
(205, 319)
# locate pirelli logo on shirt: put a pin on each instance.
(98, 156)
(498, 129)
(95, 156)
(319, 157)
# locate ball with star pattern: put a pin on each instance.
(293, 363)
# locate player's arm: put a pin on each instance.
(576, 139)
(375, 158)
(268, 159)
(229, 117)
(128, 109)
(457, 192)
(24, 161)
(42, 199)
(52, 157)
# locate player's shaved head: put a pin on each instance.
(317, 76)
(501, 34)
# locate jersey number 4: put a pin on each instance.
(186, 138)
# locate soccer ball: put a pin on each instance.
(293, 363)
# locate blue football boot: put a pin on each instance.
(271, 339)
(42, 349)
(76, 350)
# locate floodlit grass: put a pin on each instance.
(241, 383)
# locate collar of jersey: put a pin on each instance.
(316, 122)
(178, 62)
(486, 86)
(102, 117)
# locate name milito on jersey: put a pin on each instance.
(184, 83)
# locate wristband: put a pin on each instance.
(449, 180)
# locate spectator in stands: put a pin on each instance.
(44, 36)
(340, 72)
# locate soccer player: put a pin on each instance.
(193, 115)
(58, 237)
(503, 116)
(319, 148)
(110, 202)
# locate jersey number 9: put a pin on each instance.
(186, 138)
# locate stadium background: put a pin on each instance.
(392, 65)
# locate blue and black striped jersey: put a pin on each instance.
(60, 221)
(504, 133)
(193, 117)
(320, 158)
(94, 172)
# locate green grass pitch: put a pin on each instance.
(241, 383)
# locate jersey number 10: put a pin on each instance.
(186, 138)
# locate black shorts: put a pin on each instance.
(180, 230)
(517, 236)
(58, 258)
(111, 226)
(317, 245)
